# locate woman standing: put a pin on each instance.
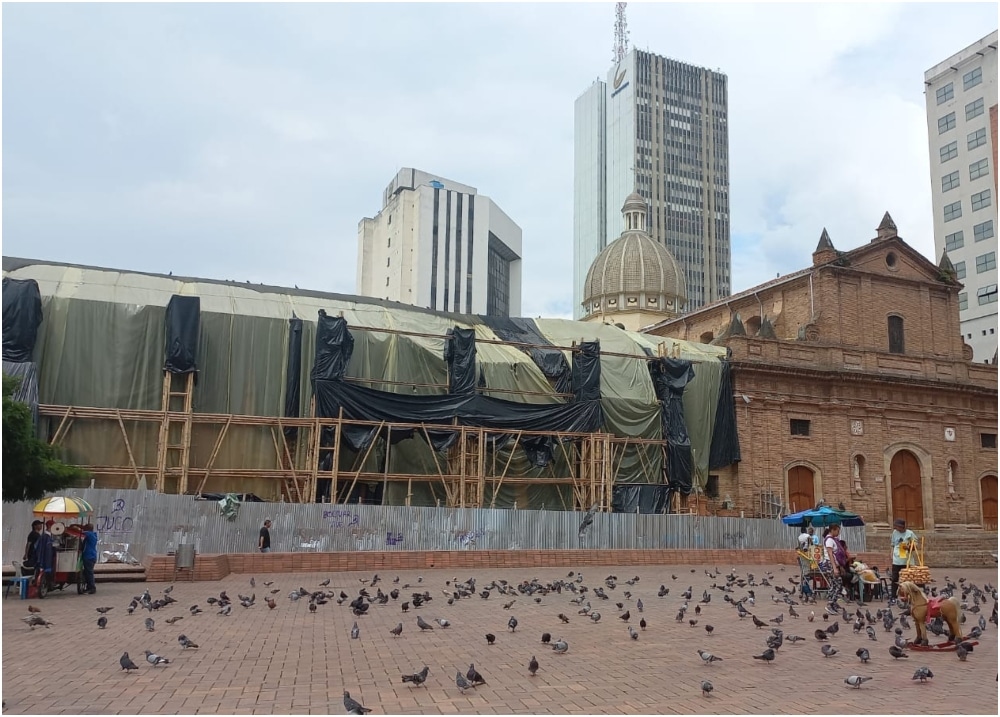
(830, 565)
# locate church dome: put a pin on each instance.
(634, 272)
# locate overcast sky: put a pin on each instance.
(246, 141)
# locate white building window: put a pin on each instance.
(977, 138)
(979, 169)
(972, 78)
(960, 270)
(954, 241)
(949, 151)
(974, 109)
(983, 231)
(949, 181)
(946, 123)
(945, 93)
(981, 200)
(987, 295)
(952, 211)
(963, 301)
(986, 262)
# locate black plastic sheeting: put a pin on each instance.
(27, 389)
(725, 437)
(670, 376)
(183, 324)
(640, 498)
(551, 361)
(22, 315)
(293, 374)
(368, 404)
(334, 347)
(587, 372)
(460, 355)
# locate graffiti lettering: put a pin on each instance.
(341, 518)
(465, 538)
(733, 538)
(114, 524)
(393, 538)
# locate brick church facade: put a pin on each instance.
(853, 385)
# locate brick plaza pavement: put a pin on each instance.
(288, 661)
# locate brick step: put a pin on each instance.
(106, 573)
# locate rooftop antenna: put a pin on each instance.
(621, 34)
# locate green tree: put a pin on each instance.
(31, 467)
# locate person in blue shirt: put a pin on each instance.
(89, 557)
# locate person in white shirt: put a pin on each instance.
(829, 565)
(901, 541)
(806, 538)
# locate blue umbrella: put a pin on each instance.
(821, 517)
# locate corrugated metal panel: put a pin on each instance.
(148, 522)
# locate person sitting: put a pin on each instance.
(28, 560)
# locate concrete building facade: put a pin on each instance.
(440, 245)
(659, 127)
(961, 97)
(853, 384)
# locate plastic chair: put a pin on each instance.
(22, 581)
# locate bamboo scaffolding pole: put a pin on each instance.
(437, 465)
(499, 484)
(59, 431)
(290, 461)
(128, 449)
(211, 459)
(362, 465)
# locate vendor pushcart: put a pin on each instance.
(59, 550)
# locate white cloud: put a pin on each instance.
(256, 136)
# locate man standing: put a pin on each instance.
(89, 557)
(28, 562)
(264, 542)
(901, 541)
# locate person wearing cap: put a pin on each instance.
(902, 541)
(264, 541)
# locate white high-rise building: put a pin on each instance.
(441, 245)
(658, 127)
(961, 95)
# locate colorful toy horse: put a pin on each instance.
(924, 610)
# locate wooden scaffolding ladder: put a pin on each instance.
(173, 455)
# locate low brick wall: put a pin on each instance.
(160, 568)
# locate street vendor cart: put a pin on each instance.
(59, 562)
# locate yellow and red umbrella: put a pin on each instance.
(62, 507)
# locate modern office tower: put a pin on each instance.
(441, 245)
(962, 130)
(658, 127)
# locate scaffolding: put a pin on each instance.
(465, 471)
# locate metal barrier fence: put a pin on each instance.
(140, 522)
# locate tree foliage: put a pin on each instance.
(31, 467)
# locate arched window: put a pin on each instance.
(707, 337)
(896, 341)
(753, 325)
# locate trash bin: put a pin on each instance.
(184, 557)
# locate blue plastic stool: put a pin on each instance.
(22, 582)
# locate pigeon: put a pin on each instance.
(442, 622)
(632, 633)
(102, 610)
(532, 666)
(706, 688)
(828, 650)
(150, 624)
(490, 638)
(821, 635)
(856, 681)
(423, 625)
(563, 618)
(352, 706)
(767, 656)
(126, 663)
(228, 609)
(923, 674)
(897, 653)
(870, 631)
(462, 683)
(325, 583)
(418, 678)
(962, 652)
(707, 657)
(397, 631)
(172, 620)
(560, 647)
(794, 638)
(863, 654)
(185, 643)
(355, 631)
(154, 659)
(102, 622)
(474, 677)
(512, 623)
